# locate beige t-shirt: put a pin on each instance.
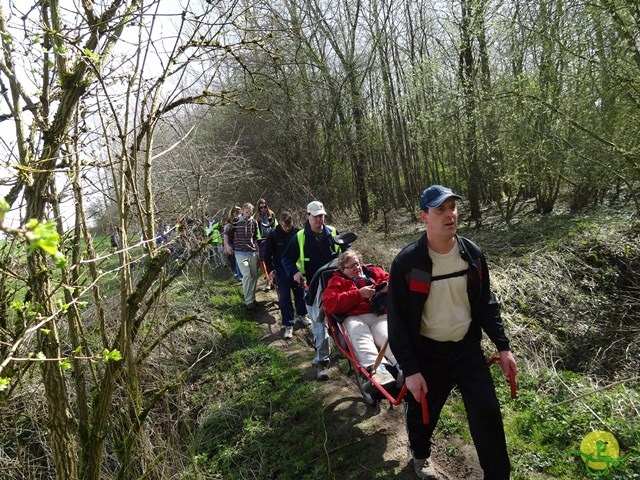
(447, 314)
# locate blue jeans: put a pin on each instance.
(284, 294)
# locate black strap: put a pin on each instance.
(449, 275)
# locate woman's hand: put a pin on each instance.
(367, 292)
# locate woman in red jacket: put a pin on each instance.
(349, 294)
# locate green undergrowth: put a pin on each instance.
(552, 414)
(257, 417)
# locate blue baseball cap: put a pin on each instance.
(433, 196)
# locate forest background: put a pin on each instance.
(118, 115)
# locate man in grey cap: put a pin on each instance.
(440, 302)
(307, 252)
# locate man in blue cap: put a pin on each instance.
(440, 302)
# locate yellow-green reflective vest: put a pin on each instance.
(302, 259)
(260, 224)
(216, 236)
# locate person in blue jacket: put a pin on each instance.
(307, 252)
(276, 243)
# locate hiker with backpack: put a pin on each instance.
(243, 236)
(276, 243)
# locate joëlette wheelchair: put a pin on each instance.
(394, 393)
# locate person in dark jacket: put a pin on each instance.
(276, 243)
(307, 252)
(440, 302)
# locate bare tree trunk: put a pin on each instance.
(467, 74)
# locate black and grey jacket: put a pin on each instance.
(409, 284)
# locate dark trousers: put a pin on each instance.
(462, 364)
(285, 287)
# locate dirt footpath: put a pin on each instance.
(384, 426)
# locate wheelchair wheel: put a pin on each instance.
(367, 397)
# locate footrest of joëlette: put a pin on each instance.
(392, 389)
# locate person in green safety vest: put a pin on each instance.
(308, 251)
(213, 231)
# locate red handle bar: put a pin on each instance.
(425, 409)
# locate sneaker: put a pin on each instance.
(288, 332)
(251, 306)
(322, 373)
(424, 468)
(304, 319)
(382, 376)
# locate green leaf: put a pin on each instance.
(113, 355)
(43, 235)
(7, 37)
(91, 55)
(62, 305)
(17, 305)
(4, 383)
(4, 208)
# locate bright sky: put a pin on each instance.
(169, 10)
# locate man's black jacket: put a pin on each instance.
(409, 284)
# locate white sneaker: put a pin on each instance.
(304, 319)
(288, 332)
(424, 469)
(322, 374)
(382, 376)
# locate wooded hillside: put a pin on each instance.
(117, 117)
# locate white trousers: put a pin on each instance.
(368, 333)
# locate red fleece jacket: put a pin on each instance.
(341, 296)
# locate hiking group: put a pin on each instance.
(425, 317)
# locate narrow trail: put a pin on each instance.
(384, 427)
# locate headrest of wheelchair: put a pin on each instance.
(345, 238)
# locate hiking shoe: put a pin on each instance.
(288, 332)
(424, 468)
(251, 306)
(322, 374)
(382, 376)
